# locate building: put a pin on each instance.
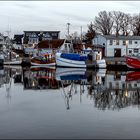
(5, 43)
(18, 41)
(34, 37)
(117, 46)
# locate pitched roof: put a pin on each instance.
(55, 43)
(122, 37)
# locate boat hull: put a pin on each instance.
(37, 62)
(101, 63)
(62, 62)
(133, 62)
(13, 63)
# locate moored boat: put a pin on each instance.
(70, 60)
(133, 62)
(66, 57)
(44, 60)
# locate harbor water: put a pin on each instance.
(39, 102)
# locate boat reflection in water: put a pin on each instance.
(71, 79)
(40, 78)
(109, 90)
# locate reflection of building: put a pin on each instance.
(2, 76)
(117, 93)
(115, 80)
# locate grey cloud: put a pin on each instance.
(74, 17)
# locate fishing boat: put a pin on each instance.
(133, 62)
(66, 57)
(43, 60)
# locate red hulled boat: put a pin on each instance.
(45, 60)
(133, 62)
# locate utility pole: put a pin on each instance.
(68, 28)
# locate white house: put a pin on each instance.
(117, 46)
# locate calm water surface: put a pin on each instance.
(69, 103)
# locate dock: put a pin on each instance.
(116, 63)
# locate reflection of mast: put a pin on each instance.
(8, 86)
(66, 97)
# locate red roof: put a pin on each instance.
(55, 43)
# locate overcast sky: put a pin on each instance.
(19, 16)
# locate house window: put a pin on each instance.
(110, 85)
(135, 85)
(117, 77)
(136, 50)
(130, 86)
(130, 41)
(123, 85)
(130, 51)
(54, 34)
(117, 42)
(124, 42)
(111, 42)
(136, 42)
(117, 85)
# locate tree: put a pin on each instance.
(103, 23)
(90, 33)
(125, 25)
(118, 18)
(136, 25)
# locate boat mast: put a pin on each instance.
(68, 28)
